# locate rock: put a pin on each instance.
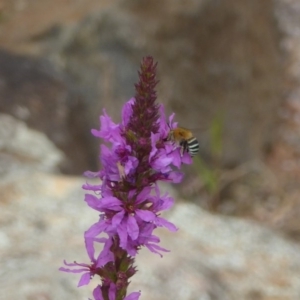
(23, 149)
(34, 91)
(286, 151)
(43, 217)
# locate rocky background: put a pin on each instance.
(230, 70)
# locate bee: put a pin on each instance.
(185, 139)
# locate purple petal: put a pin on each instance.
(89, 246)
(154, 248)
(95, 229)
(164, 223)
(85, 279)
(186, 158)
(92, 201)
(105, 152)
(154, 139)
(111, 203)
(132, 228)
(161, 162)
(169, 148)
(145, 215)
(106, 255)
(154, 239)
(176, 157)
(175, 177)
(166, 203)
(127, 111)
(117, 218)
(75, 264)
(133, 296)
(72, 271)
(97, 293)
(122, 232)
(163, 125)
(109, 130)
(142, 196)
(92, 187)
(131, 164)
(91, 174)
(172, 125)
(131, 248)
(146, 233)
(112, 292)
(104, 259)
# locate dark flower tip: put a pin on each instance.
(145, 111)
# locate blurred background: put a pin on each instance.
(230, 70)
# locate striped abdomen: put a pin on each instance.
(191, 146)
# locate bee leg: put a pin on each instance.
(181, 151)
(183, 147)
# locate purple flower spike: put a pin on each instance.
(112, 294)
(136, 155)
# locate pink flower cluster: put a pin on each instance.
(129, 199)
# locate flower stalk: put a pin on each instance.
(130, 201)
